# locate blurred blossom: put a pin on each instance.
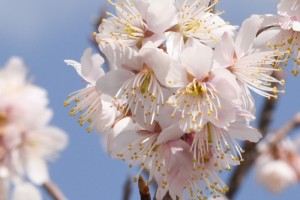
(278, 166)
(276, 175)
(27, 141)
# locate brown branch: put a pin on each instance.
(144, 189)
(54, 191)
(251, 152)
(127, 189)
(285, 130)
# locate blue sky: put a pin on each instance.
(44, 33)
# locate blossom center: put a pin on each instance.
(142, 92)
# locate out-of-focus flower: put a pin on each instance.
(26, 139)
(276, 175)
(278, 166)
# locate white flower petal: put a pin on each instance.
(113, 81)
(247, 34)
(289, 8)
(90, 68)
(296, 26)
(224, 52)
(241, 131)
(165, 69)
(26, 191)
(156, 23)
(175, 44)
(37, 170)
(197, 60)
(173, 132)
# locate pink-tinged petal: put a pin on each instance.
(124, 125)
(225, 83)
(197, 60)
(26, 191)
(226, 114)
(156, 23)
(219, 28)
(164, 118)
(165, 70)
(90, 68)
(247, 34)
(160, 193)
(52, 141)
(270, 20)
(244, 132)
(130, 59)
(107, 116)
(192, 42)
(14, 71)
(180, 167)
(113, 81)
(224, 52)
(175, 44)
(180, 3)
(173, 132)
(265, 37)
(285, 23)
(296, 26)
(120, 56)
(37, 170)
(4, 188)
(289, 8)
(157, 39)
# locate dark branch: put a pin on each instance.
(285, 130)
(144, 189)
(54, 191)
(127, 189)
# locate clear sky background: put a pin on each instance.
(44, 33)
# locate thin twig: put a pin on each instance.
(144, 189)
(54, 191)
(285, 130)
(127, 189)
(251, 152)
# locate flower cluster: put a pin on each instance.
(26, 139)
(177, 97)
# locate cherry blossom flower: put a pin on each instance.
(134, 23)
(200, 97)
(137, 88)
(169, 162)
(27, 142)
(252, 68)
(195, 23)
(278, 164)
(276, 175)
(97, 107)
